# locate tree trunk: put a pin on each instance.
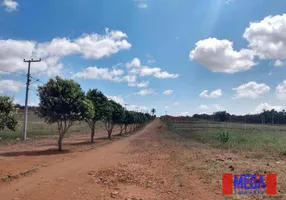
(60, 142)
(121, 129)
(92, 135)
(109, 134)
(125, 128)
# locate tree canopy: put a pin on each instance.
(63, 102)
(7, 118)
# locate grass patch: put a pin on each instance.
(38, 128)
(239, 137)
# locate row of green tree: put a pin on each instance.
(265, 117)
(63, 102)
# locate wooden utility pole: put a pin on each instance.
(24, 136)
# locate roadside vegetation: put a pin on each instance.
(248, 137)
(65, 108)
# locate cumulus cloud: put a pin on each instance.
(90, 46)
(168, 92)
(251, 90)
(281, 90)
(266, 106)
(10, 5)
(95, 46)
(219, 56)
(204, 107)
(145, 92)
(214, 94)
(10, 85)
(135, 67)
(134, 63)
(279, 63)
(100, 74)
(267, 37)
(141, 84)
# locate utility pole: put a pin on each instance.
(24, 136)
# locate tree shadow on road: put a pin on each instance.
(34, 153)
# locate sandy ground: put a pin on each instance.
(150, 164)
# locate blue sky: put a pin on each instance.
(151, 53)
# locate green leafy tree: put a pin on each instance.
(63, 102)
(114, 113)
(7, 118)
(99, 101)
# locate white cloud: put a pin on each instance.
(117, 99)
(58, 47)
(214, 94)
(166, 107)
(266, 106)
(90, 46)
(134, 63)
(145, 92)
(184, 114)
(168, 92)
(141, 4)
(251, 90)
(129, 79)
(141, 84)
(135, 67)
(12, 53)
(95, 46)
(10, 5)
(279, 63)
(204, 107)
(219, 56)
(267, 37)
(101, 74)
(281, 90)
(10, 85)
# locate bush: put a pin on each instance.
(223, 137)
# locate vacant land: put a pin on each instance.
(155, 163)
(37, 128)
(255, 138)
(251, 148)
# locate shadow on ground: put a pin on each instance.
(34, 153)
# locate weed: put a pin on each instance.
(223, 137)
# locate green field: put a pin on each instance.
(242, 137)
(38, 128)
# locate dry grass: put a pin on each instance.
(253, 150)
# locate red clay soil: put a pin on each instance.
(147, 165)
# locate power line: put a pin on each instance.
(21, 74)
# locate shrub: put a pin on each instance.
(223, 137)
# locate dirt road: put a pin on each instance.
(147, 165)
